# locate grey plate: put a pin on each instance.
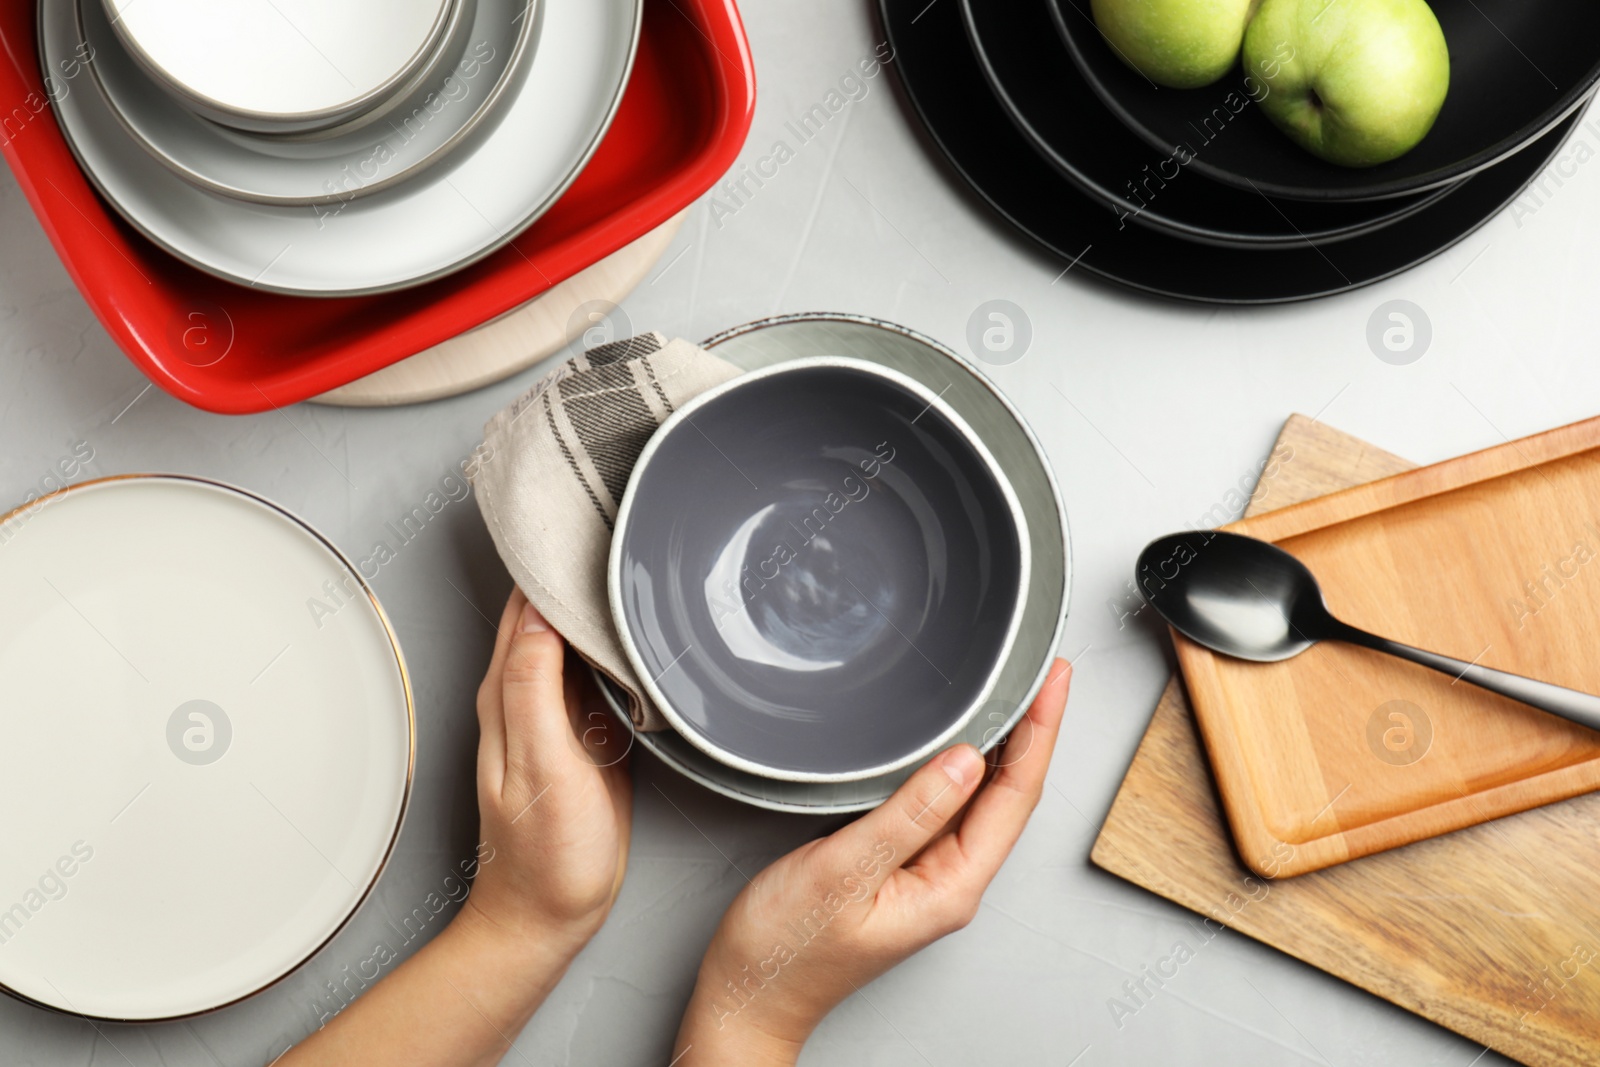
(1018, 454)
(437, 115)
(817, 570)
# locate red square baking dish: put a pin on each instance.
(681, 123)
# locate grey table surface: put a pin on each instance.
(1151, 412)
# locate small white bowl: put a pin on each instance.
(283, 66)
(455, 95)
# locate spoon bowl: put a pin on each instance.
(1242, 597)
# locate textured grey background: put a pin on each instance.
(1170, 406)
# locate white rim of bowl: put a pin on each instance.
(608, 692)
(514, 65)
(405, 685)
(624, 511)
(266, 121)
(456, 32)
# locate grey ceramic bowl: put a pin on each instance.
(818, 571)
(975, 398)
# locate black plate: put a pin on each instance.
(1517, 68)
(1050, 102)
(942, 78)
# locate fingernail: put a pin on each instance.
(963, 765)
(532, 621)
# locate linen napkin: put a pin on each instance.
(551, 472)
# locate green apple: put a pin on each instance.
(1183, 44)
(1357, 82)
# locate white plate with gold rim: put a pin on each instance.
(209, 746)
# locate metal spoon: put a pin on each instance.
(1252, 600)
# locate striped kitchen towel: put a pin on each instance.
(551, 472)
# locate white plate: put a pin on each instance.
(280, 64)
(418, 132)
(203, 773)
(483, 195)
(1019, 455)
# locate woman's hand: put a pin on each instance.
(556, 805)
(554, 793)
(826, 919)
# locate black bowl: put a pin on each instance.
(1517, 68)
(1053, 106)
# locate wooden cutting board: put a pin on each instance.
(1342, 751)
(1490, 931)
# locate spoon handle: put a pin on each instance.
(1581, 708)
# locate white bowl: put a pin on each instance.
(282, 66)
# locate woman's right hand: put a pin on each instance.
(831, 916)
(555, 799)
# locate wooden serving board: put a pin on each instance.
(1342, 751)
(1483, 931)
